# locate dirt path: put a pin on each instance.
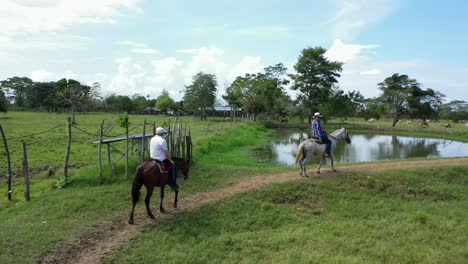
(109, 235)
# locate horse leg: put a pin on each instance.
(302, 166)
(161, 208)
(130, 221)
(149, 192)
(306, 160)
(176, 195)
(320, 164)
(332, 164)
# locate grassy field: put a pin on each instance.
(56, 217)
(400, 216)
(222, 156)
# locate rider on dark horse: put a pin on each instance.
(159, 151)
(320, 133)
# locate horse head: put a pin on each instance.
(347, 138)
(182, 166)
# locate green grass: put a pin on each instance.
(407, 216)
(222, 156)
(56, 217)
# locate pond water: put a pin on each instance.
(363, 148)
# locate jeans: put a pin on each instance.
(172, 173)
(328, 142)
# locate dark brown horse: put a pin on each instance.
(151, 175)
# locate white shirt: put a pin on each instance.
(157, 146)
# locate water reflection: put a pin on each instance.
(364, 147)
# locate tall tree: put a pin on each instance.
(201, 94)
(404, 96)
(3, 102)
(314, 78)
(164, 102)
(16, 88)
(73, 95)
(261, 92)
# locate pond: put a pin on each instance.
(363, 148)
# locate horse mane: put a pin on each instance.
(338, 131)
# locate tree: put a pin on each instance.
(17, 87)
(164, 102)
(343, 105)
(454, 110)
(314, 78)
(3, 102)
(119, 103)
(261, 92)
(201, 94)
(139, 103)
(404, 96)
(73, 95)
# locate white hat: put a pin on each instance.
(317, 114)
(160, 131)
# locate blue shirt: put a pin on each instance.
(317, 129)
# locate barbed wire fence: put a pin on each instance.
(179, 137)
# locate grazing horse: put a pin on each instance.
(307, 149)
(151, 174)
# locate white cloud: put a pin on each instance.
(370, 72)
(26, 17)
(132, 44)
(146, 51)
(42, 75)
(173, 74)
(207, 60)
(168, 76)
(342, 52)
(352, 17)
(248, 64)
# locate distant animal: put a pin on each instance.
(371, 120)
(152, 175)
(424, 123)
(446, 125)
(310, 147)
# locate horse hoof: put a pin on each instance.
(318, 172)
(162, 210)
(175, 205)
(130, 222)
(334, 170)
(152, 216)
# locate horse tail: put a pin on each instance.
(137, 183)
(300, 153)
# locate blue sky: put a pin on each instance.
(138, 46)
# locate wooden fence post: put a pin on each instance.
(67, 153)
(99, 153)
(142, 150)
(25, 172)
(9, 173)
(126, 150)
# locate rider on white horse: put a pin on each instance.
(320, 133)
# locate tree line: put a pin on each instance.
(260, 95)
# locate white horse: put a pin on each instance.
(307, 149)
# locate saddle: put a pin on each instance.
(152, 163)
(316, 140)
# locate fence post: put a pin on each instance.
(126, 150)
(67, 153)
(99, 153)
(9, 173)
(142, 150)
(25, 172)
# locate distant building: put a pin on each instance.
(152, 110)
